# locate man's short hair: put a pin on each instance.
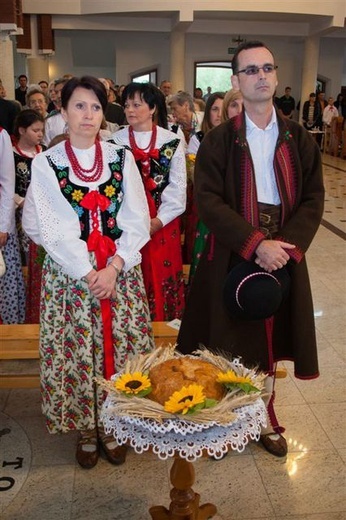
(181, 98)
(252, 44)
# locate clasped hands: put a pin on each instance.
(272, 254)
(102, 283)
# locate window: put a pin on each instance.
(320, 85)
(215, 74)
(149, 76)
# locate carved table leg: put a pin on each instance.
(185, 502)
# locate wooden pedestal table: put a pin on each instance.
(186, 442)
(185, 502)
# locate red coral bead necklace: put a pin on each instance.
(86, 175)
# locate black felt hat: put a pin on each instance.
(251, 293)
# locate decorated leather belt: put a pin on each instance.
(269, 218)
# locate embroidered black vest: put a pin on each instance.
(159, 169)
(23, 173)
(112, 189)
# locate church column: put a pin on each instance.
(177, 74)
(38, 43)
(6, 64)
(11, 22)
(38, 65)
(178, 60)
(310, 69)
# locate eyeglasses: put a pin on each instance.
(253, 70)
(36, 102)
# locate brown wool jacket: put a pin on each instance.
(225, 185)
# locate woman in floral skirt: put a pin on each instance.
(86, 206)
(12, 289)
(160, 157)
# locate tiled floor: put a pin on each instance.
(39, 479)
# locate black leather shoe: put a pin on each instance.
(88, 451)
(275, 444)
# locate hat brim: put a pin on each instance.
(251, 293)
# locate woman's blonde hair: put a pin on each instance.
(230, 96)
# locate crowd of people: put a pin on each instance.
(107, 191)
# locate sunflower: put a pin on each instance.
(188, 400)
(137, 384)
(231, 380)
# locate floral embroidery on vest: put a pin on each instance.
(112, 189)
(159, 169)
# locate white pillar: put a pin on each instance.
(310, 69)
(38, 69)
(38, 65)
(177, 75)
(6, 64)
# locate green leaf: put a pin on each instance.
(209, 403)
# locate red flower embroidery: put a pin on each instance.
(111, 222)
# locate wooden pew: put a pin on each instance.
(20, 342)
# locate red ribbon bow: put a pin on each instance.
(141, 155)
(94, 200)
(103, 246)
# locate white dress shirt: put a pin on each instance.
(262, 145)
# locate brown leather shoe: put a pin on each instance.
(115, 454)
(275, 444)
(88, 450)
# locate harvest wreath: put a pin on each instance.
(201, 388)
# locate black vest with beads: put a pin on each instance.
(112, 189)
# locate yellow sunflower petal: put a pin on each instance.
(132, 384)
(231, 377)
(183, 400)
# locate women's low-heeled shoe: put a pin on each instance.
(275, 444)
(88, 450)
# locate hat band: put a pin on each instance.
(248, 278)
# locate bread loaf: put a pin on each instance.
(171, 375)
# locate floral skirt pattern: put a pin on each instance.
(12, 287)
(71, 343)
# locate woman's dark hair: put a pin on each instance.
(26, 118)
(206, 124)
(151, 95)
(87, 82)
(161, 115)
(254, 44)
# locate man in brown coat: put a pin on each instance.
(259, 190)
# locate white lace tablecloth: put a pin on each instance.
(189, 440)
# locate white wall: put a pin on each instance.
(118, 54)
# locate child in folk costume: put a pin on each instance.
(28, 134)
